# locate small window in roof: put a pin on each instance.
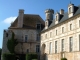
(39, 26)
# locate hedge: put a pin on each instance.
(63, 59)
(8, 56)
(31, 56)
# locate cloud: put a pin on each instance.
(9, 20)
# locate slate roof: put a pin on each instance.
(29, 21)
(65, 17)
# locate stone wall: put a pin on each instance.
(52, 37)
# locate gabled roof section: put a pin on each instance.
(29, 21)
(65, 17)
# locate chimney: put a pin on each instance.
(61, 11)
(20, 18)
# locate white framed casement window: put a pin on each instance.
(62, 45)
(55, 46)
(50, 47)
(26, 38)
(71, 44)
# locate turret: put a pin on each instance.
(49, 17)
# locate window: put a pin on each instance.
(37, 48)
(79, 42)
(45, 36)
(62, 45)
(50, 34)
(50, 48)
(70, 26)
(6, 34)
(26, 37)
(56, 18)
(62, 29)
(71, 43)
(38, 37)
(39, 26)
(27, 50)
(79, 23)
(70, 10)
(55, 46)
(56, 32)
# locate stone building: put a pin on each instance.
(61, 36)
(27, 28)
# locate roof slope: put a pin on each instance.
(65, 17)
(29, 21)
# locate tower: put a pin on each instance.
(49, 17)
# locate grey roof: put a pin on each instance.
(65, 17)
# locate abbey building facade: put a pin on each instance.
(61, 36)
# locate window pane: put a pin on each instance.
(71, 43)
(50, 48)
(37, 48)
(62, 45)
(55, 46)
(38, 26)
(26, 38)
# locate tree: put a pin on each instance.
(11, 43)
(0, 53)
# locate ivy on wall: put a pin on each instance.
(11, 43)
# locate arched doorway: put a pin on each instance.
(43, 52)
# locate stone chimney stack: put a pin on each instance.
(20, 18)
(61, 11)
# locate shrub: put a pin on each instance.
(31, 56)
(63, 59)
(8, 56)
(34, 59)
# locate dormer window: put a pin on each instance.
(38, 26)
(69, 10)
(56, 18)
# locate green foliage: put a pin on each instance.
(0, 53)
(8, 56)
(63, 59)
(11, 43)
(31, 56)
(34, 59)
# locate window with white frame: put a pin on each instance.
(55, 46)
(62, 29)
(71, 43)
(37, 48)
(62, 45)
(70, 26)
(26, 38)
(50, 47)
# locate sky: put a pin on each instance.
(9, 10)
